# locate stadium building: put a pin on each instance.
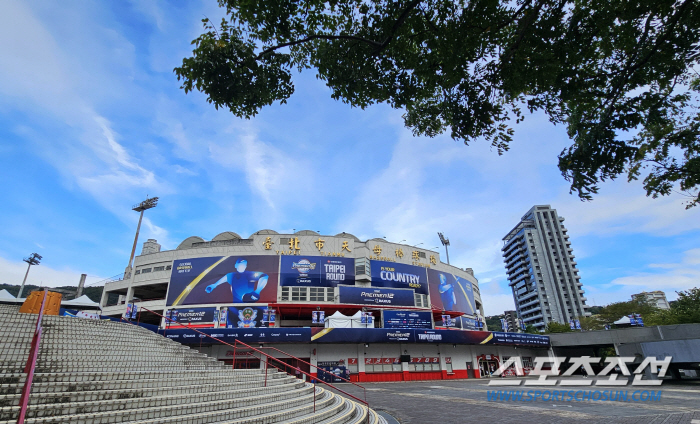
(377, 310)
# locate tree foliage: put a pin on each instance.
(614, 311)
(555, 327)
(617, 74)
(685, 310)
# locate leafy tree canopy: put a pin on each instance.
(617, 310)
(685, 310)
(618, 74)
(555, 327)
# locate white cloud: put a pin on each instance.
(41, 275)
(43, 80)
(669, 277)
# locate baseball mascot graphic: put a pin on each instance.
(245, 285)
(447, 293)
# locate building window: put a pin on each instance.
(138, 271)
(299, 294)
(145, 270)
(159, 268)
(168, 267)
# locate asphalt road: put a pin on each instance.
(465, 401)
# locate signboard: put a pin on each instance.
(247, 335)
(375, 296)
(316, 271)
(223, 279)
(382, 335)
(407, 319)
(450, 292)
(318, 317)
(244, 316)
(195, 317)
(399, 276)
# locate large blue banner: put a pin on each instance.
(375, 296)
(399, 276)
(243, 316)
(194, 316)
(407, 319)
(223, 279)
(245, 335)
(316, 271)
(409, 335)
(450, 292)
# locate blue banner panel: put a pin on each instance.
(407, 319)
(316, 271)
(519, 339)
(243, 316)
(383, 335)
(247, 335)
(374, 296)
(450, 292)
(223, 279)
(192, 316)
(362, 335)
(399, 276)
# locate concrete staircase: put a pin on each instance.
(94, 372)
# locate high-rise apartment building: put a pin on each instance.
(542, 271)
(511, 318)
(655, 298)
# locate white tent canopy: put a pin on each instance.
(83, 301)
(338, 320)
(622, 321)
(5, 295)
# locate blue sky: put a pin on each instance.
(92, 120)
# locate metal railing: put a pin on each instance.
(31, 364)
(247, 351)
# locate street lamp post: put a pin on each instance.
(445, 242)
(146, 204)
(33, 259)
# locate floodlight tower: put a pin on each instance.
(445, 242)
(33, 259)
(149, 203)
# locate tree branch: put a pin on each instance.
(317, 37)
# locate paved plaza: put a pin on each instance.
(465, 401)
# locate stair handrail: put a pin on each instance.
(235, 347)
(31, 364)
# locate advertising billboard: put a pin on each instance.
(375, 296)
(223, 279)
(407, 319)
(244, 316)
(194, 317)
(399, 276)
(316, 271)
(450, 292)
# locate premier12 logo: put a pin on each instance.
(617, 364)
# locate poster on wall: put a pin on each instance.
(244, 316)
(407, 319)
(193, 317)
(316, 271)
(223, 279)
(450, 292)
(399, 276)
(375, 296)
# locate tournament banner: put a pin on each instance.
(247, 335)
(409, 335)
(244, 316)
(407, 319)
(223, 279)
(449, 292)
(375, 296)
(194, 317)
(399, 276)
(316, 271)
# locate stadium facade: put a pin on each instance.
(377, 310)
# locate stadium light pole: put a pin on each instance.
(445, 242)
(149, 203)
(33, 259)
